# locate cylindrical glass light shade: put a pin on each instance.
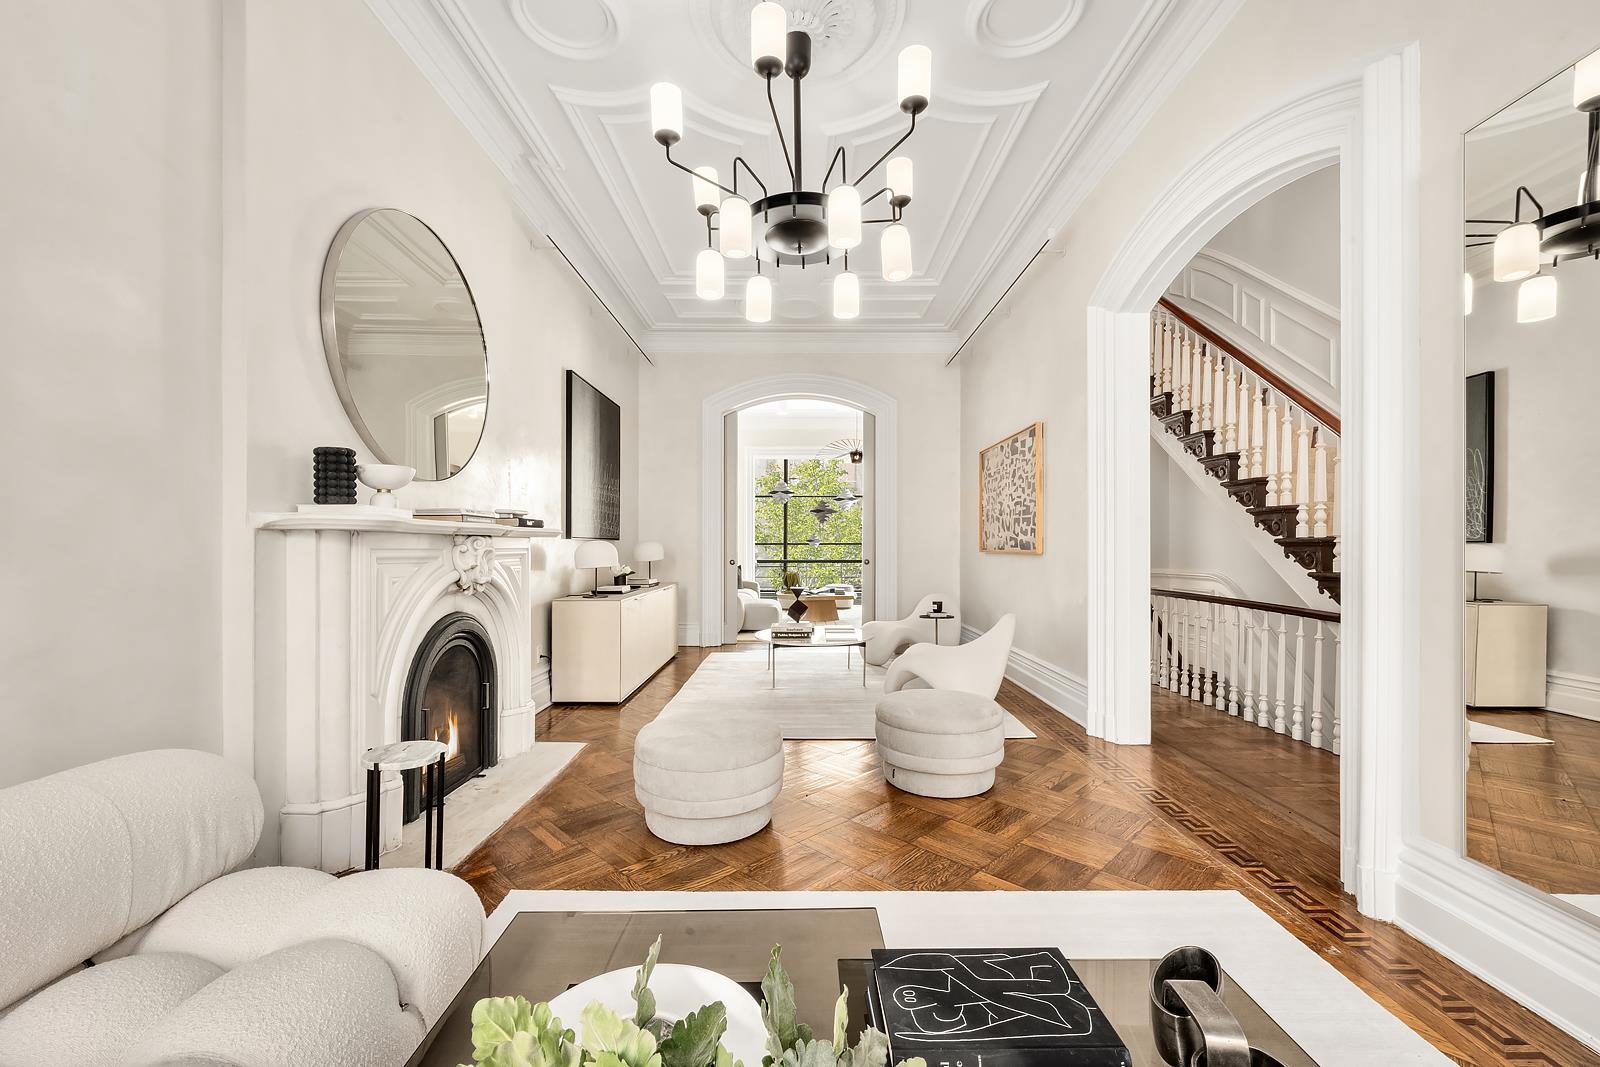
(733, 227)
(758, 299)
(844, 217)
(1467, 289)
(706, 192)
(1536, 298)
(708, 274)
(916, 77)
(900, 176)
(666, 110)
(769, 24)
(1586, 83)
(1516, 252)
(846, 296)
(895, 251)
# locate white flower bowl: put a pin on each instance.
(384, 479)
(679, 989)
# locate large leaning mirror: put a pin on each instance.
(404, 343)
(1531, 297)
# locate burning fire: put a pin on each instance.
(451, 743)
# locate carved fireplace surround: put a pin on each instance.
(344, 598)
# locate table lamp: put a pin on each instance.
(593, 555)
(1484, 557)
(647, 552)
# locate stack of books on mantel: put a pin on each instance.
(454, 515)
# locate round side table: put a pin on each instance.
(408, 756)
(937, 617)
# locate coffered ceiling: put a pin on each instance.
(1031, 99)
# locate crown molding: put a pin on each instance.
(801, 342)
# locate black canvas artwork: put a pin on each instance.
(594, 462)
(1479, 458)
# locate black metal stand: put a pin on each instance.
(374, 782)
(432, 826)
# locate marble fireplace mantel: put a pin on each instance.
(344, 598)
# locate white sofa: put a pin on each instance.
(127, 941)
(759, 614)
(888, 638)
(976, 667)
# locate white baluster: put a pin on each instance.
(1302, 476)
(1155, 640)
(1203, 654)
(1173, 606)
(1297, 724)
(1272, 438)
(1334, 522)
(1319, 485)
(1263, 694)
(1238, 653)
(1181, 399)
(1285, 433)
(1219, 637)
(1169, 359)
(1316, 685)
(1230, 408)
(1247, 703)
(1258, 451)
(1191, 627)
(1207, 377)
(1279, 702)
(1338, 712)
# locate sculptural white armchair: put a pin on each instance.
(887, 639)
(976, 667)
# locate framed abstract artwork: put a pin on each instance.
(1479, 458)
(1011, 493)
(594, 462)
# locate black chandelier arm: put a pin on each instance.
(889, 151)
(772, 106)
(1587, 187)
(1524, 191)
(738, 161)
(690, 171)
(844, 172)
(874, 196)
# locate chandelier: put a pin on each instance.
(1568, 233)
(798, 226)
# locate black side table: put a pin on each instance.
(406, 756)
(937, 617)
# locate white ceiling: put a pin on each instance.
(1030, 100)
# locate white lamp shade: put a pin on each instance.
(916, 73)
(666, 109)
(1516, 252)
(895, 251)
(1536, 298)
(1486, 558)
(844, 217)
(1467, 290)
(900, 176)
(733, 227)
(769, 25)
(648, 552)
(1586, 83)
(595, 554)
(758, 299)
(706, 192)
(846, 296)
(708, 274)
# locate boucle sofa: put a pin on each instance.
(127, 941)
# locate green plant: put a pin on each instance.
(511, 1032)
(791, 579)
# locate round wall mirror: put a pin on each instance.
(404, 343)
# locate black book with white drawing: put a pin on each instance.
(1007, 1007)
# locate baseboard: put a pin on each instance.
(1573, 694)
(1539, 953)
(1061, 689)
(688, 634)
(541, 685)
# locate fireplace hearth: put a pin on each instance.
(450, 697)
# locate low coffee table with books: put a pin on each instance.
(822, 635)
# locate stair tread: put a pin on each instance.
(1243, 481)
(1308, 540)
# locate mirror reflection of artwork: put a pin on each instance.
(404, 343)
(1011, 493)
(594, 462)
(1479, 458)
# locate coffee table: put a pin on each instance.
(543, 953)
(824, 636)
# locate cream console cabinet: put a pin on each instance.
(603, 648)
(1505, 654)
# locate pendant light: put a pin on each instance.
(758, 299)
(916, 78)
(1516, 252)
(1536, 298)
(708, 274)
(706, 192)
(734, 228)
(769, 24)
(1467, 289)
(899, 172)
(894, 249)
(844, 217)
(846, 295)
(782, 494)
(666, 112)
(1586, 83)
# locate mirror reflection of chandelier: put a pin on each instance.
(798, 226)
(1567, 233)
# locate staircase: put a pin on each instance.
(1274, 449)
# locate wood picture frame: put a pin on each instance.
(1011, 494)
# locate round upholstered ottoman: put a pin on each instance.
(940, 743)
(706, 779)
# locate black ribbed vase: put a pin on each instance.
(333, 475)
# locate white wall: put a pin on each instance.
(109, 383)
(929, 409)
(1546, 510)
(1292, 235)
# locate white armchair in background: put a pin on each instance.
(759, 614)
(976, 667)
(890, 637)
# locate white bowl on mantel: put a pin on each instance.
(679, 989)
(383, 479)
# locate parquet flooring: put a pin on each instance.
(1533, 811)
(1213, 804)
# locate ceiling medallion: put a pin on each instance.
(1570, 232)
(798, 226)
(1011, 43)
(845, 34)
(585, 29)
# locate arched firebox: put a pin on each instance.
(451, 696)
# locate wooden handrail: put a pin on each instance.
(1272, 378)
(1255, 605)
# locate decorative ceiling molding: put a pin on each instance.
(847, 36)
(801, 342)
(981, 28)
(599, 41)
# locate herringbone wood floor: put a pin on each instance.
(1213, 804)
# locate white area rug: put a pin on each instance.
(481, 806)
(1481, 733)
(817, 699)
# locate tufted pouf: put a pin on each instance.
(939, 742)
(705, 779)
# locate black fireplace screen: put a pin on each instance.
(450, 697)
